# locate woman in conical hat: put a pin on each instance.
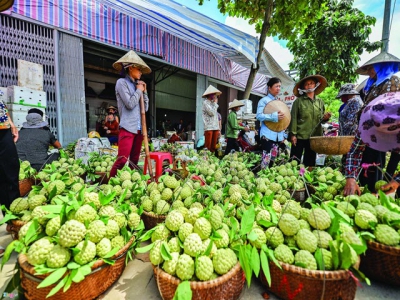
(381, 70)
(232, 127)
(307, 112)
(210, 118)
(128, 91)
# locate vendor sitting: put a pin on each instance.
(111, 125)
(34, 141)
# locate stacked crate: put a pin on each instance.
(27, 94)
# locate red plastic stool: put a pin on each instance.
(159, 158)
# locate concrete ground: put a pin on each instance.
(137, 282)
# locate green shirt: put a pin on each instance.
(232, 126)
(306, 114)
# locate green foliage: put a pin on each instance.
(332, 45)
(331, 103)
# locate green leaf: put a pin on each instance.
(7, 253)
(244, 260)
(8, 217)
(319, 258)
(265, 266)
(53, 277)
(111, 253)
(148, 234)
(183, 292)
(166, 255)
(55, 209)
(78, 276)
(32, 232)
(58, 286)
(252, 236)
(110, 261)
(255, 261)
(335, 256)
(73, 265)
(68, 283)
(345, 256)
(145, 248)
(247, 220)
(209, 248)
(86, 269)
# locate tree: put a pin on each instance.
(332, 45)
(331, 103)
(281, 18)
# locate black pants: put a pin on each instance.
(296, 152)
(231, 144)
(373, 173)
(9, 168)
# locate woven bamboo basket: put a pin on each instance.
(103, 177)
(297, 283)
(382, 263)
(183, 172)
(96, 283)
(13, 228)
(150, 219)
(25, 186)
(331, 145)
(228, 286)
(299, 195)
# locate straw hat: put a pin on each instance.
(235, 103)
(131, 59)
(275, 106)
(322, 84)
(6, 4)
(111, 107)
(211, 90)
(380, 58)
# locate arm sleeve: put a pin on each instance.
(233, 123)
(354, 157)
(265, 117)
(208, 108)
(130, 101)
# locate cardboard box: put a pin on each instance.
(30, 75)
(25, 96)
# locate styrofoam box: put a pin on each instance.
(156, 143)
(18, 114)
(186, 145)
(30, 75)
(24, 96)
(85, 146)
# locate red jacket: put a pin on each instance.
(113, 127)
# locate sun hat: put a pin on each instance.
(322, 84)
(275, 106)
(380, 123)
(380, 58)
(34, 120)
(131, 59)
(6, 4)
(235, 103)
(211, 90)
(347, 89)
(111, 107)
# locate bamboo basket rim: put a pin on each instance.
(153, 215)
(198, 285)
(28, 268)
(331, 145)
(315, 274)
(395, 251)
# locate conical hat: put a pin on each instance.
(6, 4)
(131, 58)
(211, 90)
(322, 84)
(235, 103)
(275, 106)
(380, 58)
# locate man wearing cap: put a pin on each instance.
(210, 118)
(381, 70)
(128, 91)
(34, 141)
(308, 111)
(232, 127)
(348, 110)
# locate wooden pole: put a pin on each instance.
(146, 142)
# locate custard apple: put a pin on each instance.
(162, 207)
(133, 220)
(319, 219)
(185, 267)
(223, 242)
(58, 257)
(323, 238)
(306, 240)
(284, 254)
(155, 253)
(112, 229)
(36, 200)
(386, 235)
(261, 238)
(103, 247)
(202, 227)
(59, 186)
(364, 219)
(39, 251)
(53, 226)
(193, 245)
(169, 266)
(174, 220)
(204, 268)
(184, 231)
(274, 236)
(224, 260)
(96, 231)
(92, 197)
(305, 259)
(174, 245)
(87, 252)
(161, 232)
(18, 205)
(118, 242)
(85, 213)
(288, 224)
(71, 233)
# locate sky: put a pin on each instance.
(277, 48)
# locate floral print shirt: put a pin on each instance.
(4, 117)
(210, 115)
(348, 116)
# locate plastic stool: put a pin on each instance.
(159, 158)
